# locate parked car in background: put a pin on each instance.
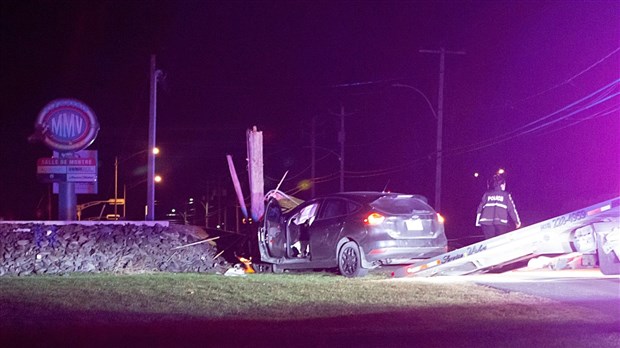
(352, 231)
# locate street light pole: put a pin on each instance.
(430, 105)
(125, 201)
(116, 187)
(150, 190)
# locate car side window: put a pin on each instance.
(333, 208)
(352, 207)
(307, 214)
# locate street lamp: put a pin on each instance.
(439, 119)
(421, 94)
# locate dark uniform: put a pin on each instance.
(493, 211)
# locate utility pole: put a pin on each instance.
(341, 139)
(255, 170)
(442, 62)
(150, 180)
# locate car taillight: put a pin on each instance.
(440, 218)
(374, 219)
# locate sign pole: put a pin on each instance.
(67, 201)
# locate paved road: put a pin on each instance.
(588, 288)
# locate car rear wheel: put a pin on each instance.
(350, 262)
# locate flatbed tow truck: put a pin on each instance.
(593, 233)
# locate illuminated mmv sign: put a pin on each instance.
(67, 125)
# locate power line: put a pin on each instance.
(569, 80)
(532, 126)
(598, 97)
(512, 104)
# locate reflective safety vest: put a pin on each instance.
(495, 207)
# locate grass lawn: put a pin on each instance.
(311, 309)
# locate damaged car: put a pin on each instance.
(352, 232)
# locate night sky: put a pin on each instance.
(536, 94)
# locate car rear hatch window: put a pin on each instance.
(406, 216)
(401, 205)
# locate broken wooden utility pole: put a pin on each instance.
(255, 172)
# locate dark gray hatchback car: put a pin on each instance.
(352, 231)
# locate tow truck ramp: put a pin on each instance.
(594, 230)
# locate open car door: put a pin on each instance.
(272, 234)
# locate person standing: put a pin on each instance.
(495, 208)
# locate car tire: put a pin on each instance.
(350, 261)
